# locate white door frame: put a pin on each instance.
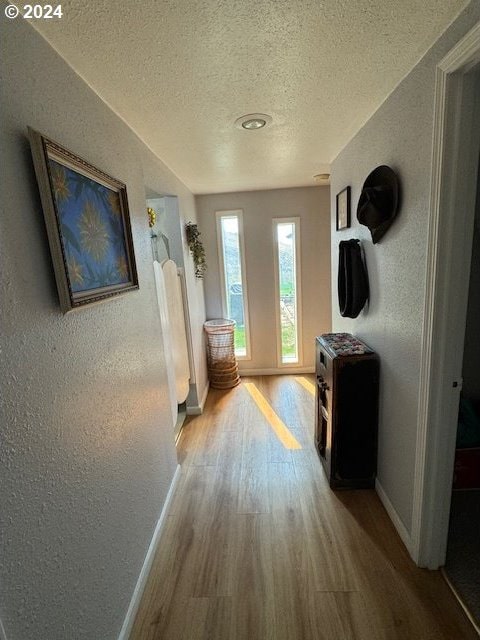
(451, 216)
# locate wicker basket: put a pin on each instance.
(221, 361)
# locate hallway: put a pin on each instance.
(256, 546)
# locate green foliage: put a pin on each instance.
(287, 289)
(196, 248)
(239, 337)
(288, 341)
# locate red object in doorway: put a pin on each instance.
(466, 473)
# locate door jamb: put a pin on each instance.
(451, 215)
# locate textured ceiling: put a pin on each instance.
(180, 72)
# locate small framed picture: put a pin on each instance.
(88, 226)
(343, 209)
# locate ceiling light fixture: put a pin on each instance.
(253, 121)
(321, 177)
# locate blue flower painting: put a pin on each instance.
(91, 227)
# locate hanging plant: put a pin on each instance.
(196, 247)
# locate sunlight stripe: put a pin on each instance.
(309, 386)
(281, 430)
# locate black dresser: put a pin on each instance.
(346, 416)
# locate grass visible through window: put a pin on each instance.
(240, 343)
(289, 341)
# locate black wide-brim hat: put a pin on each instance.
(379, 201)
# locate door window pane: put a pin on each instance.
(234, 294)
(287, 291)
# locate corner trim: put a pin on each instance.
(147, 564)
(197, 409)
(275, 371)
(465, 54)
(394, 517)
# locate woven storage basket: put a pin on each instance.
(221, 361)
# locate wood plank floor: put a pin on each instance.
(257, 547)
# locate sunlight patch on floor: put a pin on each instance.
(306, 384)
(279, 427)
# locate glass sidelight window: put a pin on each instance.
(287, 290)
(232, 273)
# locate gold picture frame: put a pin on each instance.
(88, 226)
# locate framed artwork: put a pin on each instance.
(343, 209)
(88, 226)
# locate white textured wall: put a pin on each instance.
(312, 206)
(87, 452)
(400, 135)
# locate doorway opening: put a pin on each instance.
(462, 566)
(167, 255)
(452, 212)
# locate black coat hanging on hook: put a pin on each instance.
(352, 279)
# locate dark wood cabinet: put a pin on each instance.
(346, 418)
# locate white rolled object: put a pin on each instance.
(178, 332)
(167, 339)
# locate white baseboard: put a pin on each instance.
(197, 410)
(394, 517)
(276, 372)
(147, 564)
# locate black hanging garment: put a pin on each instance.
(352, 279)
